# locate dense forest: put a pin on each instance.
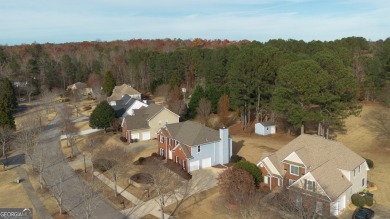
(292, 80)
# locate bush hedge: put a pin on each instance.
(141, 160)
(235, 158)
(103, 164)
(252, 169)
(368, 200)
(358, 200)
(123, 139)
(370, 163)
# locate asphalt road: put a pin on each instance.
(74, 188)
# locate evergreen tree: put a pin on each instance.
(8, 104)
(108, 83)
(102, 116)
(194, 101)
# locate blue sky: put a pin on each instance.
(59, 21)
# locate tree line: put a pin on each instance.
(294, 80)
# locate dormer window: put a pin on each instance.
(294, 170)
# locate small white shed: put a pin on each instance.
(265, 128)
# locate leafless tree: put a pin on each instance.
(39, 164)
(89, 197)
(57, 188)
(298, 203)
(30, 89)
(164, 183)
(223, 109)
(116, 159)
(6, 136)
(28, 136)
(204, 109)
(68, 128)
(379, 122)
(163, 91)
(48, 98)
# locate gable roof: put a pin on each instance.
(315, 150)
(121, 91)
(268, 123)
(191, 133)
(77, 85)
(142, 116)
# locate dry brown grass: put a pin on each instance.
(45, 196)
(363, 140)
(13, 194)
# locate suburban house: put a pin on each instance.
(122, 90)
(265, 128)
(313, 166)
(194, 146)
(146, 121)
(79, 87)
(126, 106)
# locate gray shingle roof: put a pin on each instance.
(268, 123)
(141, 117)
(192, 134)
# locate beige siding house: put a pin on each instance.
(120, 91)
(146, 121)
(313, 166)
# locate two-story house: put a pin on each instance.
(126, 106)
(193, 145)
(315, 166)
(122, 90)
(146, 121)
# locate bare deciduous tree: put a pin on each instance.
(48, 98)
(6, 136)
(68, 128)
(57, 188)
(223, 109)
(204, 109)
(89, 197)
(379, 122)
(116, 162)
(28, 136)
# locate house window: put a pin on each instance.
(176, 143)
(363, 181)
(290, 181)
(354, 172)
(266, 179)
(199, 149)
(310, 185)
(267, 128)
(162, 152)
(319, 208)
(359, 168)
(177, 159)
(161, 139)
(184, 164)
(294, 170)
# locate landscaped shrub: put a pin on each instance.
(141, 160)
(154, 154)
(370, 163)
(123, 139)
(252, 169)
(358, 200)
(369, 200)
(102, 164)
(235, 158)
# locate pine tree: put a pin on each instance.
(8, 104)
(108, 83)
(102, 116)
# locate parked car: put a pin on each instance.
(363, 213)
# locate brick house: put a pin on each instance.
(193, 145)
(317, 167)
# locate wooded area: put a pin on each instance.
(293, 80)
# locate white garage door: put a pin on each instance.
(206, 162)
(145, 135)
(135, 136)
(194, 165)
(342, 203)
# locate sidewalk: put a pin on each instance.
(39, 207)
(84, 132)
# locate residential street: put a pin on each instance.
(73, 186)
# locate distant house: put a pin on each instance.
(146, 121)
(120, 91)
(193, 145)
(265, 128)
(126, 106)
(313, 166)
(79, 87)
